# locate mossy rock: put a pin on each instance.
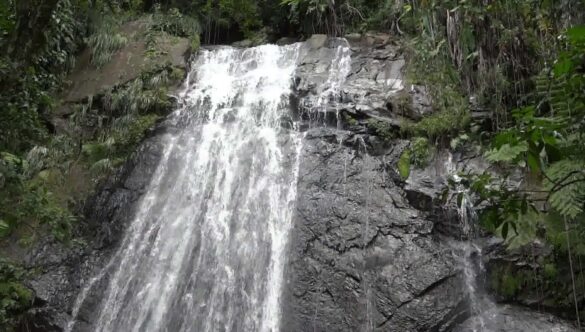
(128, 63)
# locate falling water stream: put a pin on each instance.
(205, 250)
(481, 307)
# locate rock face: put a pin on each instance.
(361, 257)
(368, 252)
(62, 271)
(515, 319)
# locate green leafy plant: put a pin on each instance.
(105, 42)
(382, 129)
(15, 297)
(420, 152)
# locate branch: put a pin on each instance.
(559, 183)
(564, 186)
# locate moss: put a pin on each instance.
(443, 123)
(404, 164)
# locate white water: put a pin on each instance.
(482, 308)
(205, 251)
(340, 68)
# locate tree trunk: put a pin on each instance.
(32, 19)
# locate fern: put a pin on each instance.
(507, 152)
(105, 42)
(566, 183)
(103, 166)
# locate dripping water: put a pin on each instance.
(481, 307)
(366, 289)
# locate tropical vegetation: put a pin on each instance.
(521, 62)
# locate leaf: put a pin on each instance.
(533, 162)
(576, 34)
(563, 67)
(566, 181)
(4, 228)
(504, 231)
(490, 218)
(507, 152)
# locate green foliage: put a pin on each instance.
(566, 183)
(421, 152)
(442, 123)
(404, 164)
(550, 271)
(507, 152)
(7, 19)
(390, 16)
(544, 137)
(127, 139)
(105, 42)
(509, 285)
(382, 129)
(31, 73)
(244, 16)
(547, 136)
(174, 23)
(459, 142)
(350, 120)
(323, 16)
(24, 201)
(195, 43)
(15, 298)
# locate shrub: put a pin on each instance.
(15, 298)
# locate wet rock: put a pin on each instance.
(62, 271)
(286, 41)
(243, 43)
(361, 256)
(515, 319)
(375, 86)
(421, 102)
(533, 276)
(317, 41)
(43, 320)
(353, 37)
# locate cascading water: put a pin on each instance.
(482, 308)
(205, 251)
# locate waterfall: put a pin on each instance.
(481, 306)
(205, 249)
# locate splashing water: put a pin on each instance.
(340, 68)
